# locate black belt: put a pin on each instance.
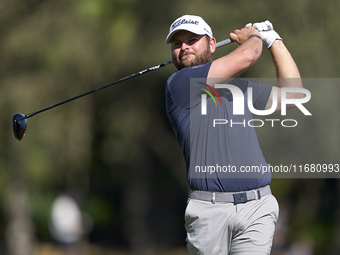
(230, 197)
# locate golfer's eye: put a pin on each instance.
(177, 44)
(192, 41)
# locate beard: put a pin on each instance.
(202, 58)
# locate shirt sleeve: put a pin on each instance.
(178, 85)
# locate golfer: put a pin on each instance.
(228, 212)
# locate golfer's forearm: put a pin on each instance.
(236, 62)
(253, 48)
(285, 65)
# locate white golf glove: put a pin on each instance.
(267, 32)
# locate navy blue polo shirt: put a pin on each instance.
(220, 148)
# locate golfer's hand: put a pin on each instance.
(242, 35)
(266, 29)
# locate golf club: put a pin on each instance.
(19, 120)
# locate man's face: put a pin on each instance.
(189, 49)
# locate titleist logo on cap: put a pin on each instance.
(184, 21)
(191, 23)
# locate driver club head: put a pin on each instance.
(19, 126)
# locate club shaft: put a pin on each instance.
(100, 88)
(219, 44)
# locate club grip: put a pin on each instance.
(224, 42)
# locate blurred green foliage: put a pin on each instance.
(116, 146)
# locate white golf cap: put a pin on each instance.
(191, 23)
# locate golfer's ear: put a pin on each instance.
(212, 44)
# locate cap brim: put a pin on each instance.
(171, 35)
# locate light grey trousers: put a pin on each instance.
(225, 228)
